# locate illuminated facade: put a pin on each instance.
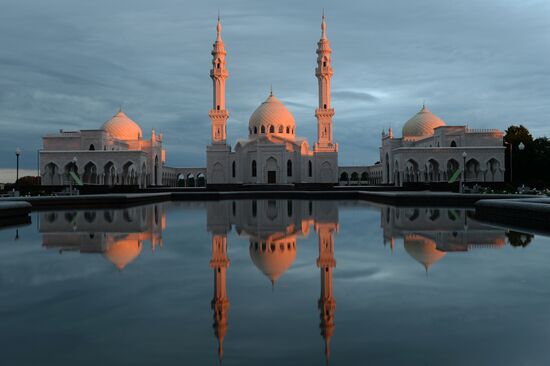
(272, 153)
(114, 154)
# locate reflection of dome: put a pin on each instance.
(274, 258)
(122, 127)
(273, 116)
(122, 252)
(423, 250)
(421, 124)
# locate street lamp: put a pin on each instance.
(464, 155)
(510, 148)
(17, 153)
(521, 146)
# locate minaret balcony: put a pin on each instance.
(324, 112)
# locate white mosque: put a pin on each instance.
(428, 151)
(114, 154)
(272, 153)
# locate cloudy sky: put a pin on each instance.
(69, 64)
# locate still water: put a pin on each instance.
(272, 282)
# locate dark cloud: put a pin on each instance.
(69, 65)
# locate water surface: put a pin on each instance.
(272, 282)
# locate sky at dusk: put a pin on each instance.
(69, 64)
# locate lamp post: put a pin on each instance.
(17, 153)
(521, 147)
(464, 155)
(510, 148)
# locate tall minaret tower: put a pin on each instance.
(326, 262)
(220, 303)
(218, 114)
(324, 112)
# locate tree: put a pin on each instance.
(28, 181)
(518, 239)
(516, 134)
(531, 166)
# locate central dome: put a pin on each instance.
(421, 124)
(271, 117)
(273, 258)
(122, 127)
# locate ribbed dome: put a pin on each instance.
(122, 127)
(274, 258)
(422, 124)
(423, 250)
(273, 116)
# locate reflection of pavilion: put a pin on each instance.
(430, 233)
(273, 227)
(117, 233)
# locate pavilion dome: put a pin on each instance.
(273, 258)
(422, 124)
(123, 251)
(273, 116)
(423, 250)
(122, 127)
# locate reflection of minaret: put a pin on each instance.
(326, 262)
(220, 302)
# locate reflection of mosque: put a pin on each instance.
(273, 227)
(430, 233)
(117, 233)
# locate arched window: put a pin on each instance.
(253, 168)
(233, 169)
(218, 65)
(453, 144)
(218, 107)
(271, 129)
(324, 64)
(325, 106)
(280, 129)
(263, 129)
(92, 147)
(289, 168)
(287, 129)
(255, 130)
(309, 168)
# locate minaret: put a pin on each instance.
(220, 302)
(324, 112)
(218, 114)
(326, 262)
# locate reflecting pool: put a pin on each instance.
(272, 282)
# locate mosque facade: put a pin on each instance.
(114, 154)
(430, 151)
(272, 153)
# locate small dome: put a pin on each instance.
(422, 124)
(122, 127)
(423, 250)
(273, 258)
(123, 251)
(274, 117)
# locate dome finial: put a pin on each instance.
(271, 90)
(324, 26)
(219, 27)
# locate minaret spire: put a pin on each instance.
(220, 303)
(326, 262)
(324, 112)
(218, 114)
